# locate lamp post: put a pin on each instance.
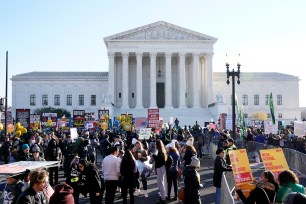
(233, 74)
(5, 106)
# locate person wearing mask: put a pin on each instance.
(265, 191)
(289, 183)
(36, 154)
(128, 171)
(34, 194)
(11, 190)
(73, 177)
(160, 165)
(92, 181)
(111, 172)
(192, 182)
(172, 175)
(63, 194)
(219, 167)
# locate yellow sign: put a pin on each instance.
(274, 160)
(242, 170)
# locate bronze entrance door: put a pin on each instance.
(160, 95)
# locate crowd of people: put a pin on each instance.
(127, 162)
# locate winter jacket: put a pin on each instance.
(187, 157)
(29, 196)
(63, 194)
(92, 179)
(220, 167)
(10, 192)
(159, 160)
(284, 190)
(192, 185)
(259, 195)
(175, 161)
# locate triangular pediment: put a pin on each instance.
(160, 31)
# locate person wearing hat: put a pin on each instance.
(36, 152)
(192, 182)
(25, 154)
(190, 151)
(219, 168)
(62, 195)
(11, 189)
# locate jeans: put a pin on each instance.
(124, 190)
(218, 196)
(111, 187)
(161, 180)
(172, 179)
(53, 170)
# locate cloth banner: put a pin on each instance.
(274, 160)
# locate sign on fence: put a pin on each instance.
(242, 170)
(274, 160)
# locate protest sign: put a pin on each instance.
(153, 118)
(74, 133)
(274, 160)
(144, 133)
(140, 123)
(242, 170)
(101, 114)
(34, 122)
(299, 128)
(90, 116)
(49, 120)
(78, 118)
(271, 128)
(23, 117)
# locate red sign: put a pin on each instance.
(153, 118)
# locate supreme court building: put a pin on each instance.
(159, 65)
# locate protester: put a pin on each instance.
(63, 194)
(25, 154)
(34, 194)
(172, 175)
(105, 146)
(160, 162)
(111, 172)
(265, 191)
(73, 177)
(219, 167)
(53, 154)
(92, 181)
(192, 182)
(11, 189)
(36, 154)
(128, 171)
(67, 151)
(190, 151)
(289, 183)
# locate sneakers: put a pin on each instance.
(146, 193)
(137, 192)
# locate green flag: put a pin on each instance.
(272, 109)
(236, 104)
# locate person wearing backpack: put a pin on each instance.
(289, 183)
(264, 192)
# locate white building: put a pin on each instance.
(157, 65)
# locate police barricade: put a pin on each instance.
(227, 186)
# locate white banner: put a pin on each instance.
(144, 133)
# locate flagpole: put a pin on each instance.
(6, 81)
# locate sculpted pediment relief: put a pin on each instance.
(160, 31)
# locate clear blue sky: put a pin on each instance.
(68, 35)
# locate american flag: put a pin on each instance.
(48, 191)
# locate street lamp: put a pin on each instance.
(233, 74)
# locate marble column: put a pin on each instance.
(125, 80)
(196, 84)
(139, 80)
(168, 80)
(111, 77)
(153, 80)
(209, 78)
(182, 80)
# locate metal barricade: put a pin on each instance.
(227, 185)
